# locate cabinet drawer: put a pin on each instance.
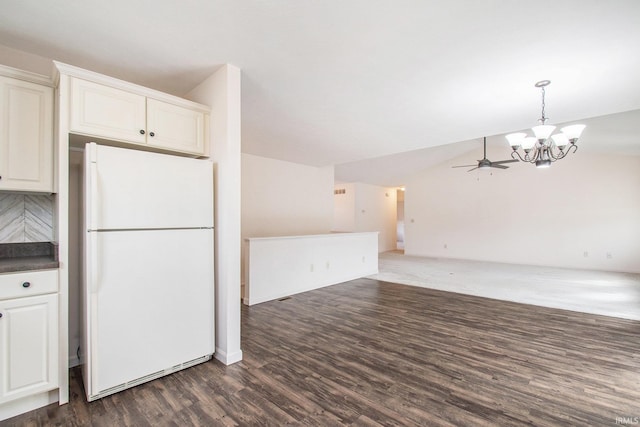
(28, 283)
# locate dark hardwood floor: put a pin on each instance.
(373, 353)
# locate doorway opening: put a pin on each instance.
(400, 220)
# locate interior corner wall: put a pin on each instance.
(222, 91)
(283, 199)
(582, 212)
(366, 207)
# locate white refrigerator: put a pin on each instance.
(148, 268)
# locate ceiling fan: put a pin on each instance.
(486, 163)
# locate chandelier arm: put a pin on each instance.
(561, 154)
(515, 155)
(536, 155)
(564, 153)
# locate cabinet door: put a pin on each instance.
(175, 128)
(29, 351)
(26, 136)
(108, 113)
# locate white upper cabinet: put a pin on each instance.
(111, 109)
(107, 112)
(174, 127)
(26, 136)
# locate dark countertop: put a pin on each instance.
(28, 256)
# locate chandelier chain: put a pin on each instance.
(543, 119)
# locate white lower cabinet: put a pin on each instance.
(29, 351)
(28, 339)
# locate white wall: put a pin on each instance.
(222, 92)
(282, 266)
(366, 207)
(585, 203)
(285, 199)
(344, 208)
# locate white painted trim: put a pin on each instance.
(91, 76)
(28, 403)
(228, 359)
(26, 76)
(61, 186)
(310, 236)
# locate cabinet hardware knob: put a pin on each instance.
(0, 314)
(141, 131)
(152, 134)
(26, 284)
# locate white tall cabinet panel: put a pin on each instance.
(107, 112)
(29, 350)
(174, 127)
(26, 132)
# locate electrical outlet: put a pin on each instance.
(311, 268)
(363, 259)
(609, 256)
(328, 265)
(445, 246)
(585, 254)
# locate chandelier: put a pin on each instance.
(543, 148)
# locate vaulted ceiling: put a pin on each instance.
(338, 82)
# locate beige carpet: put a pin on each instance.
(596, 292)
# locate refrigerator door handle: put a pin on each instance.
(95, 197)
(93, 262)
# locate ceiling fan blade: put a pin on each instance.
(472, 169)
(463, 166)
(493, 165)
(505, 161)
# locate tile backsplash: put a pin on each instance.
(26, 218)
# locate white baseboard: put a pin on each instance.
(26, 404)
(228, 359)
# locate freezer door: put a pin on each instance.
(131, 189)
(151, 299)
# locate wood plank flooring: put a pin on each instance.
(369, 353)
